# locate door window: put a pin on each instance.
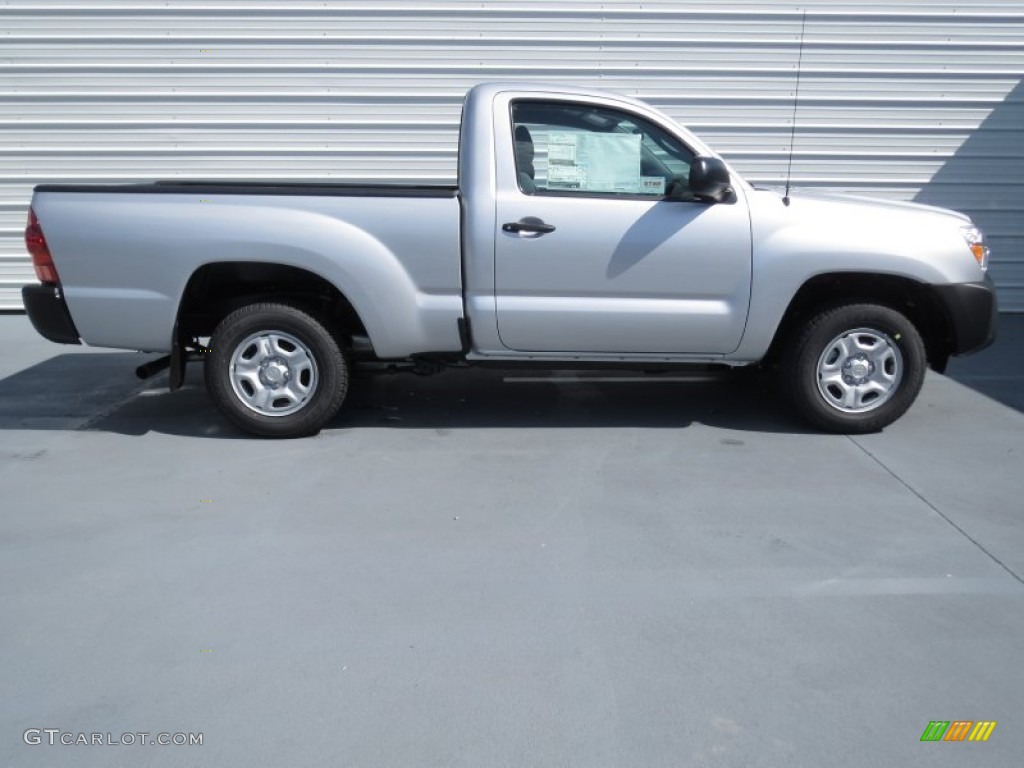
(565, 148)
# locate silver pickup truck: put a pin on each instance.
(586, 229)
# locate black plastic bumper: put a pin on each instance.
(971, 310)
(49, 314)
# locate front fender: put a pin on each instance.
(812, 237)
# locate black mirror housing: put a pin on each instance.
(709, 180)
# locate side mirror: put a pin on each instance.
(709, 180)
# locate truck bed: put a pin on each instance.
(126, 253)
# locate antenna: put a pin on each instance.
(796, 100)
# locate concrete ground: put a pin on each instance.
(494, 569)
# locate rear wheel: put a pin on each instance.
(275, 371)
(855, 368)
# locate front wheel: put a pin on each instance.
(855, 368)
(275, 371)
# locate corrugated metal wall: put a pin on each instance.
(907, 100)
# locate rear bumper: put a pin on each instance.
(49, 314)
(971, 311)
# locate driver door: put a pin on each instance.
(597, 248)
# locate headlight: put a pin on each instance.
(975, 239)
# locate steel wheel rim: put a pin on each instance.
(273, 373)
(859, 370)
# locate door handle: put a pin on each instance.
(530, 224)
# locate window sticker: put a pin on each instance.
(562, 149)
(594, 162)
(566, 177)
(652, 185)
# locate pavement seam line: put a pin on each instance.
(936, 510)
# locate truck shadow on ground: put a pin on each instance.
(99, 392)
(997, 372)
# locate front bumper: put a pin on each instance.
(49, 314)
(971, 312)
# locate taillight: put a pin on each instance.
(35, 241)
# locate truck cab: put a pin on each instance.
(591, 240)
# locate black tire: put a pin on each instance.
(275, 371)
(854, 368)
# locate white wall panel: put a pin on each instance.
(906, 100)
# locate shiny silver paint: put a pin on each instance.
(819, 234)
(587, 291)
(618, 275)
(619, 280)
(124, 259)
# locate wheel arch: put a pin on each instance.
(914, 299)
(216, 289)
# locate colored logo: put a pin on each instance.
(958, 730)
